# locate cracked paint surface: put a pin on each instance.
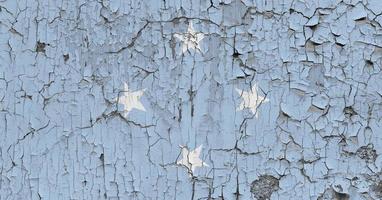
(65, 132)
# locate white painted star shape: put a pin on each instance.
(130, 100)
(251, 100)
(191, 160)
(191, 39)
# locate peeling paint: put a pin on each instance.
(284, 97)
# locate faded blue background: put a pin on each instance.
(63, 63)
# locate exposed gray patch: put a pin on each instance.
(331, 194)
(66, 57)
(40, 47)
(367, 153)
(341, 196)
(263, 187)
(377, 189)
(349, 111)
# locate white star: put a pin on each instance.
(190, 39)
(251, 100)
(191, 159)
(131, 100)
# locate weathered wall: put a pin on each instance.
(181, 99)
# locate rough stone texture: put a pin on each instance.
(264, 187)
(316, 127)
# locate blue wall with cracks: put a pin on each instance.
(179, 99)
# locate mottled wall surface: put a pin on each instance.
(181, 99)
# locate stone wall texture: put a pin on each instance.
(191, 99)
